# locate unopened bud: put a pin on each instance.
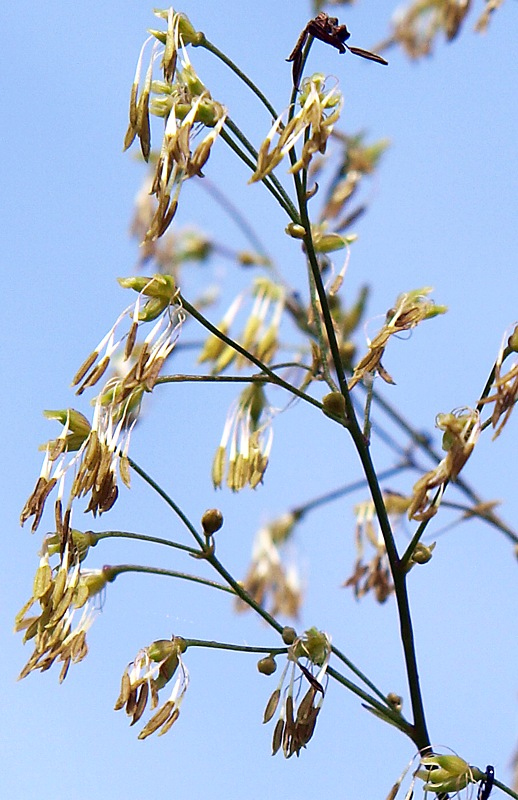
(161, 649)
(267, 665)
(422, 553)
(334, 404)
(211, 521)
(289, 634)
(395, 701)
(512, 342)
(295, 231)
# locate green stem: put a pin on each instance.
(240, 74)
(359, 674)
(246, 354)
(240, 648)
(335, 494)
(283, 196)
(213, 379)
(141, 537)
(505, 789)
(384, 710)
(170, 502)
(253, 166)
(419, 732)
(114, 572)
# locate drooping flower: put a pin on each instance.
(295, 726)
(97, 451)
(320, 110)
(374, 575)
(55, 631)
(461, 431)
(446, 773)
(416, 27)
(248, 435)
(504, 389)
(410, 309)
(185, 104)
(152, 669)
(273, 584)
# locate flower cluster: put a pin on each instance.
(56, 632)
(298, 717)
(417, 26)
(185, 104)
(504, 386)
(152, 669)
(410, 309)
(319, 111)
(260, 334)
(375, 575)
(97, 451)
(248, 434)
(272, 584)
(461, 431)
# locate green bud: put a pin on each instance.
(444, 773)
(77, 422)
(295, 231)
(267, 666)
(422, 553)
(334, 404)
(395, 701)
(313, 645)
(512, 342)
(330, 242)
(152, 309)
(161, 649)
(160, 286)
(211, 521)
(289, 634)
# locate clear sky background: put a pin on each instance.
(443, 214)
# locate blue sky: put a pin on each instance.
(443, 214)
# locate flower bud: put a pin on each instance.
(295, 231)
(395, 701)
(161, 649)
(211, 521)
(334, 404)
(289, 634)
(267, 665)
(512, 342)
(422, 553)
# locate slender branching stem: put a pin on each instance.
(114, 571)
(276, 379)
(204, 42)
(238, 648)
(170, 502)
(142, 537)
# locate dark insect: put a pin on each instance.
(329, 31)
(486, 784)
